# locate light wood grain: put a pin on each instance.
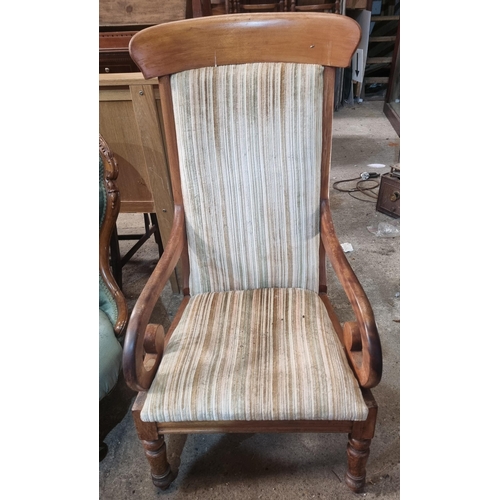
(118, 125)
(148, 124)
(121, 79)
(129, 118)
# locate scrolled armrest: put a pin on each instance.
(143, 346)
(361, 338)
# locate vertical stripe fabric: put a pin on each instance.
(268, 354)
(249, 139)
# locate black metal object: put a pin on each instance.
(117, 261)
(389, 193)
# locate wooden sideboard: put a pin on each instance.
(130, 121)
(113, 52)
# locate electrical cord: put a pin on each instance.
(367, 191)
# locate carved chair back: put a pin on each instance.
(111, 299)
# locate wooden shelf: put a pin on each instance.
(382, 38)
(384, 18)
(379, 60)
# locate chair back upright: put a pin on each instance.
(247, 103)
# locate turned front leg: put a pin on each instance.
(156, 453)
(154, 446)
(357, 456)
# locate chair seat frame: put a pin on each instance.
(160, 51)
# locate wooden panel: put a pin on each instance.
(114, 95)
(133, 12)
(125, 142)
(146, 115)
(255, 426)
(110, 81)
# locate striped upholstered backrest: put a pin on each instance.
(249, 140)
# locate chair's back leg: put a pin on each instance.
(116, 259)
(154, 222)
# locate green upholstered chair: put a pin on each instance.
(256, 345)
(112, 305)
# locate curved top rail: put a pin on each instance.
(308, 38)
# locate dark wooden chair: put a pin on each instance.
(247, 103)
(113, 312)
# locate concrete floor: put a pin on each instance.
(286, 466)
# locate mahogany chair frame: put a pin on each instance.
(106, 233)
(111, 406)
(324, 39)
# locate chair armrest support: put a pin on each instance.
(361, 339)
(143, 346)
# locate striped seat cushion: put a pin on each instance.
(249, 140)
(267, 354)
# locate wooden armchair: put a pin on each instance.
(256, 346)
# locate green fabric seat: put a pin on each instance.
(110, 355)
